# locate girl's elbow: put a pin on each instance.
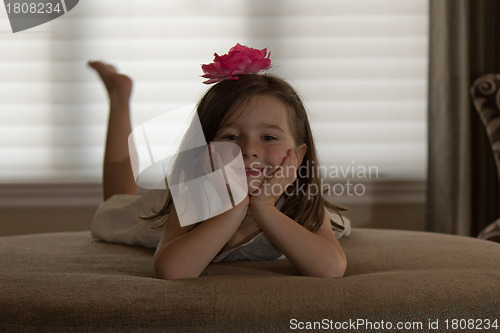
(334, 269)
(334, 272)
(341, 267)
(171, 273)
(171, 268)
(165, 274)
(339, 271)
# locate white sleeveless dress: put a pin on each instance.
(117, 220)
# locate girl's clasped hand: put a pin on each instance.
(277, 181)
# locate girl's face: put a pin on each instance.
(261, 128)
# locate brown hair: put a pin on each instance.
(222, 100)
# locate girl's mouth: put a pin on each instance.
(252, 172)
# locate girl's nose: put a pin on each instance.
(248, 149)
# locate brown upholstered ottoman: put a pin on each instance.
(69, 282)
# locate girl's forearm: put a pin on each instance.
(188, 255)
(311, 254)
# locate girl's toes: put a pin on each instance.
(102, 68)
(114, 82)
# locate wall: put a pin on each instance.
(36, 208)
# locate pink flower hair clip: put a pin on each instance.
(240, 60)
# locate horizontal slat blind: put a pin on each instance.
(359, 64)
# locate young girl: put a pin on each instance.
(266, 119)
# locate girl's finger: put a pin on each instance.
(291, 156)
(290, 160)
(286, 158)
(281, 173)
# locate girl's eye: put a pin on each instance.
(231, 137)
(269, 138)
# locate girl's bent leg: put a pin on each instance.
(117, 172)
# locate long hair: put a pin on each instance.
(221, 102)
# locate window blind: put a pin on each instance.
(360, 66)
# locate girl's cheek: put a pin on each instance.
(276, 154)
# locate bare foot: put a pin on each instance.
(117, 85)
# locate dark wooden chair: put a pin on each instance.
(485, 93)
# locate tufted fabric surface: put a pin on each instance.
(68, 282)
